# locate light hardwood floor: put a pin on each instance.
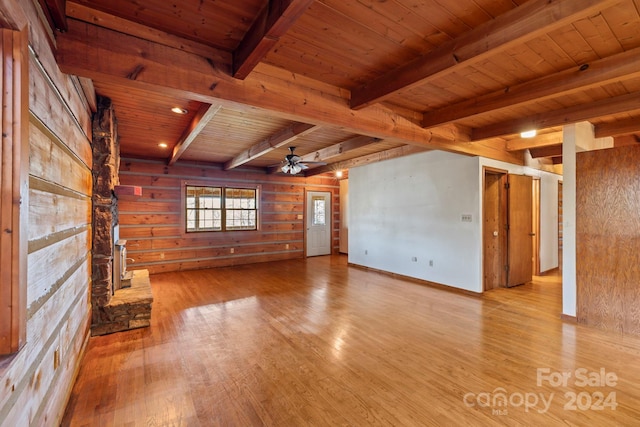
(316, 342)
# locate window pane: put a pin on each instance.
(240, 209)
(203, 206)
(319, 211)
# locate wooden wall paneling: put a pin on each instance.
(155, 234)
(49, 264)
(70, 213)
(608, 236)
(18, 15)
(210, 240)
(55, 318)
(33, 390)
(51, 160)
(48, 106)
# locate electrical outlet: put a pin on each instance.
(414, 259)
(366, 252)
(430, 263)
(286, 246)
(232, 250)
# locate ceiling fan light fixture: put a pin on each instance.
(291, 169)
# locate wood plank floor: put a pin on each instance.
(316, 342)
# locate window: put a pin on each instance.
(221, 208)
(240, 209)
(318, 211)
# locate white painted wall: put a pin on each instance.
(412, 207)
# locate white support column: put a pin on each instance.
(576, 138)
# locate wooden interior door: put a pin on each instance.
(494, 229)
(520, 251)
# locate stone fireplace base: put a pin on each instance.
(129, 308)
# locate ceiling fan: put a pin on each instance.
(293, 163)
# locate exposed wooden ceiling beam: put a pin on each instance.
(550, 151)
(543, 140)
(614, 68)
(525, 22)
(577, 113)
(620, 127)
(340, 148)
(205, 113)
(272, 23)
(392, 153)
(115, 58)
(278, 139)
(56, 12)
(620, 141)
(219, 57)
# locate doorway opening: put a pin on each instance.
(560, 244)
(494, 227)
(535, 227)
(507, 229)
(318, 223)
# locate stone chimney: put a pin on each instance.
(106, 163)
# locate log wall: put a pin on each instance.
(152, 224)
(608, 239)
(36, 381)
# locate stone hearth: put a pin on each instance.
(129, 308)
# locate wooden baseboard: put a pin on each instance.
(418, 281)
(570, 319)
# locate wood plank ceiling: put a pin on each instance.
(360, 80)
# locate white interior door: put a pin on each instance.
(318, 223)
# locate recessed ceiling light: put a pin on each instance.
(338, 174)
(528, 134)
(162, 145)
(179, 110)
